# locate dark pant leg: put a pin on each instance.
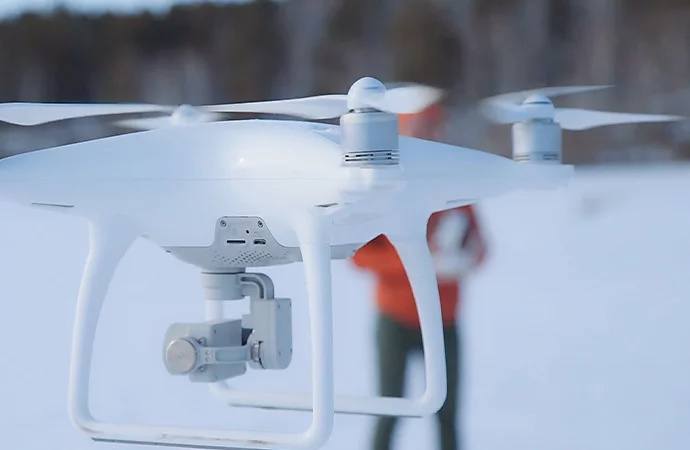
(447, 417)
(393, 346)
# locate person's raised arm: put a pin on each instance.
(457, 243)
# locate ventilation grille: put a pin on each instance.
(250, 258)
(371, 157)
(542, 156)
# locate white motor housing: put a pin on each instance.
(369, 138)
(537, 141)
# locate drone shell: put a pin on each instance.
(173, 184)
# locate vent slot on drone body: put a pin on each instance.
(384, 157)
(249, 258)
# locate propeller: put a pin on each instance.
(183, 115)
(366, 92)
(29, 114)
(535, 104)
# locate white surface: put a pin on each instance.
(577, 329)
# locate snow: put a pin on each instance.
(576, 331)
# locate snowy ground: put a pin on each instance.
(577, 331)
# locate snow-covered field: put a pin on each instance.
(577, 330)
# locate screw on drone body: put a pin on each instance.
(223, 223)
(255, 351)
(260, 224)
(202, 341)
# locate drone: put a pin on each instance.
(230, 195)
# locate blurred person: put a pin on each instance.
(426, 124)
(458, 248)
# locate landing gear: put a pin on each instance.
(219, 349)
(195, 350)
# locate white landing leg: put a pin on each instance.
(411, 244)
(109, 241)
(416, 258)
(313, 233)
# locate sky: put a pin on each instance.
(10, 8)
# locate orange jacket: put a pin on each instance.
(393, 291)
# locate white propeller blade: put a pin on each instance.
(404, 99)
(29, 114)
(407, 99)
(583, 119)
(517, 98)
(502, 113)
(507, 108)
(154, 123)
(318, 107)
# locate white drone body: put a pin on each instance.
(228, 196)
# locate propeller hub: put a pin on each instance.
(538, 106)
(185, 114)
(537, 99)
(364, 92)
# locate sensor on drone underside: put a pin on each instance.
(246, 241)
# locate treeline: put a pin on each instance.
(71, 57)
(242, 48)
